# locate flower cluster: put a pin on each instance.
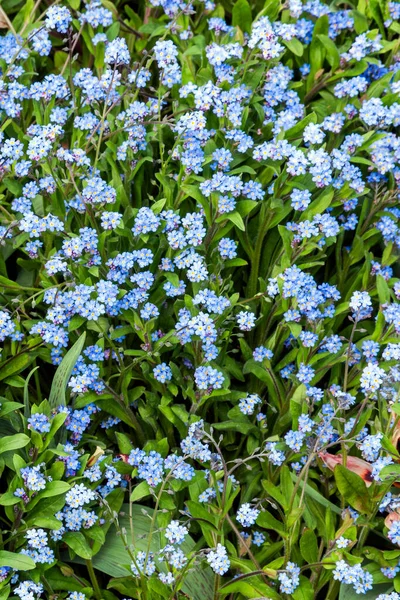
(200, 307)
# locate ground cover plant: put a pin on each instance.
(200, 300)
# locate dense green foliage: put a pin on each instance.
(200, 300)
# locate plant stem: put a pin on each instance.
(97, 591)
(47, 585)
(216, 586)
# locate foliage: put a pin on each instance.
(200, 300)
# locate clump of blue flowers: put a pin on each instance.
(200, 300)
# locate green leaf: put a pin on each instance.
(26, 393)
(13, 442)
(360, 21)
(46, 506)
(58, 581)
(5, 592)
(353, 489)
(7, 407)
(198, 583)
(383, 290)
(295, 46)
(19, 562)
(8, 499)
(46, 521)
(250, 588)
(124, 443)
(118, 409)
(296, 130)
(239, 426)
(347, 592)
(63, 373)
(198, 511)
(57, 423)
(390, 472)
(193, 192)
(319, 205)
(97, 534)
(265, 519)
(309, 546)
(76, 322)
(14, 285)
(332, 53)
(140, 491)
(77, 542)
(266, 375)
(236, 262)
(13, 186)
(236, 220)
(305, 590)
(374, 10)
(274, 492)
(310, 491)
(53, 488)
(124, 330)
(15, 365)
(238, 171)
(241, 15)
(15, 381)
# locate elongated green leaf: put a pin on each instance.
(319, 205)
(265, 519)
(353, 489)
(239, 426)
(5, 592)
(15, 365)
(63, 373)
(198, 583)
(237, 220)
(53, 488)
(305, 590)
(45, 521)
(13, 442)
(7, 283)
(77, 542)
(19, 562)
(140, 491)
(27, 410)
(241, 15)
(250, 588)
(332, 53)
(8, 407)
(383, 290)
(317, 496)
(295, 46)
(309, 546)
(8, 499)
(297, 129)
(347, 592)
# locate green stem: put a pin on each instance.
(47, 585)
(97, 591)
(37, 382)
(216, 586)
(179, 580)
(154, 518)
